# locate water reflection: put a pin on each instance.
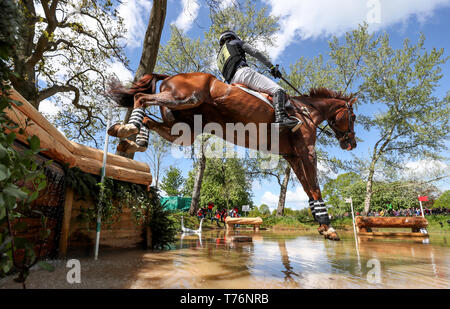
(289, 270)
(193, 235)
(295, 260)
(271, 260)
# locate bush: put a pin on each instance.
(162, 227)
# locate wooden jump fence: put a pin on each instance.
(364, 226)
(60, 149)
(255, 221)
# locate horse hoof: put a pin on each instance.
(128, 146)
(122, 130)
(328, 232)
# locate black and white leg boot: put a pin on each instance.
(137, 115)
(142, 137)
(132, 127)
(320, 214)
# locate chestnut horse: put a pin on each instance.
(184, 95)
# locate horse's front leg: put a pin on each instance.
(304, 164)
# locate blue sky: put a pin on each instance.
(306, 27)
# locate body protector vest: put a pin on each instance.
(230, 57)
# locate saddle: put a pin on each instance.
(268, 99)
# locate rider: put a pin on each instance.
(234, 68)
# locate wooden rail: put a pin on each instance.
(62, 150)
(255, 221)
(364, 226)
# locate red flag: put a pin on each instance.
(423, 198)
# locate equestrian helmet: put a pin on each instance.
(226, 35)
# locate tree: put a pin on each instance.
(344, 186)
(64, 51)
(281, 172)
(264, 209)
(156, 153)
(443, 201)
(172, 182)
(226, 182)
(414, 123)
(149, 51)
(400, 194)
(199, 166)
(411, 123)
(21, 177)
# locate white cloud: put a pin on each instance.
(188, 15)
(135, 14)
(122, 73)
(325, 169)
(316, 18)
(48, 108)
(425, 169)
(294, 199)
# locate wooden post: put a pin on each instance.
(65, 229)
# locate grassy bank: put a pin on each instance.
(191, 222)
(437, 223)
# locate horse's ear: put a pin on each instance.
(353, 100)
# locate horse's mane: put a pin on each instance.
(322, 92)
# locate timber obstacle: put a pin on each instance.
(58, 148)
(255, 221)
(364, 226)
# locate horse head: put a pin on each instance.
(342, 123)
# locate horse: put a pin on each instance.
(185, 95)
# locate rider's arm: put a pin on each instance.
(257, 54)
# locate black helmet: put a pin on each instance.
(226, 35)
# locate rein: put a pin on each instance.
(342, 135)
(322, 130)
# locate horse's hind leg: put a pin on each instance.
(162, 129)
(143, 100)
(167, 99)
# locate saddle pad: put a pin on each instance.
(259, 95)
(255, 94)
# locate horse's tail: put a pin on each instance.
(125, 96)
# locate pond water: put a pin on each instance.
(270, 260)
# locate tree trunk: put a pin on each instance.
(152, 38)
(25, 80)
(369, 190)
(198, 183)
(283, 190)
(149, 51)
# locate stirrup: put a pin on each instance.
(293, 125)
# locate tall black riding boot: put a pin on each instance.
(281, 118)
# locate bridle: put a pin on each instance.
(340, 135)
(343, 135)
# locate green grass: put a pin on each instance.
(192, 222)
(286, 223)
(300, 223)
